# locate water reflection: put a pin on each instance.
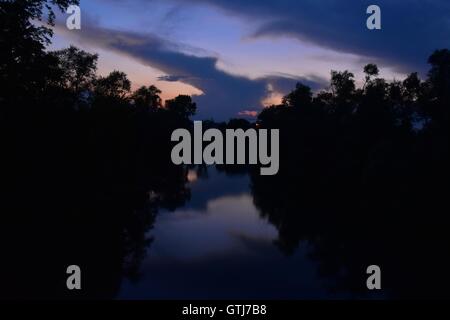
(206, 233)
(219, 229)
(219, 246)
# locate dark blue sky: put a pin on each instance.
(237, 56)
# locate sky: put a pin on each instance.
(235, 57)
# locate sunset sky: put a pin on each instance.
(236, 56)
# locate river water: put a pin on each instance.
(217, 246)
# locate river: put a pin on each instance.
(217, 246)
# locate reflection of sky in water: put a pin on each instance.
(217, 246)
(189, 234)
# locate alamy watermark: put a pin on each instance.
(73, 22)
(374, 280)
(73, 281)
(374, 20)
(213, 153)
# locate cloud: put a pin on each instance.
(248, 113)
(172, 78)
(224, 95)
(411, 30)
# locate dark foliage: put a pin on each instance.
(86, 165)
(363, 179)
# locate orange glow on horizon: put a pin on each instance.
(273, 98)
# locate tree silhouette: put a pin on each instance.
(363, 179)
(370, 70)
(76, 139)
(115, 85)
(439, 87)
(25, 30)
(182, 106)
(300, 97)
(147, 98)
(77, 69)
